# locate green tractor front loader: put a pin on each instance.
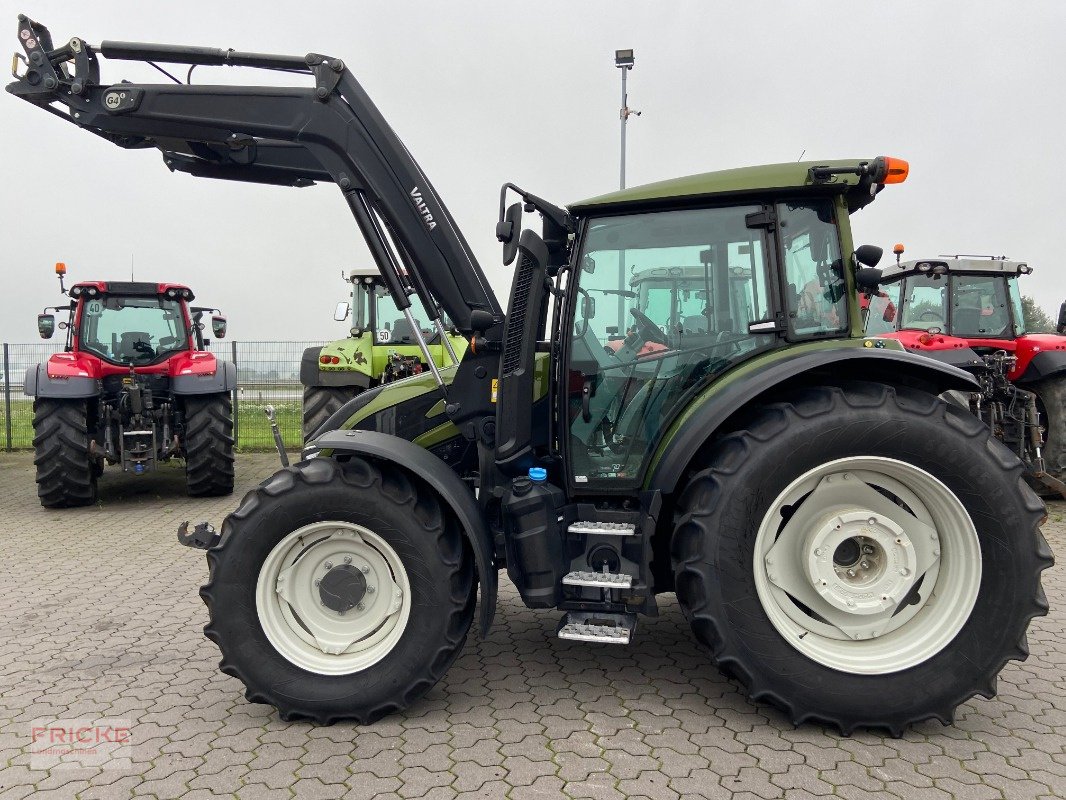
(850, 547)
(381, 347)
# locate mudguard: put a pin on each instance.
(38, 384)
(224, 379)
(1043, 365)
(452, 490)
(707, 413)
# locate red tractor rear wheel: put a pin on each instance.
(208, 445)
(66, 475)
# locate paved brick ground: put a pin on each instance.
(100, 618)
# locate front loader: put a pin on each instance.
(853, 549)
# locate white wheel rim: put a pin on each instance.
(896, 603)
(293, 613)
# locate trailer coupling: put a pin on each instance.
(203, 536)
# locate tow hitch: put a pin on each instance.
(203, 536)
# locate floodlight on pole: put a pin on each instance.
(624, 60)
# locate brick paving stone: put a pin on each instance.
(520, 715)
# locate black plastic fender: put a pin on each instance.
(452, 490)
(1044, 365)
(224, 380)
(892, 367)
(38, 384)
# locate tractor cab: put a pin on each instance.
(961, 309)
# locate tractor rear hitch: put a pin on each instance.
(203, 536)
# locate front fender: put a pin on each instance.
(711, 409)
(456, 494)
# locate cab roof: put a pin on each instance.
(739, 181)
(954, 266)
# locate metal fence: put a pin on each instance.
(268, 373)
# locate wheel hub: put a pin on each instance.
(860, 562)
(343, 588)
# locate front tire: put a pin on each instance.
(208, 445)
(315, 641)
(66, 474)
(320, 403)
(935, 598)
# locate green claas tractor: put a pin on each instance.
(379, 349)
(850, 547)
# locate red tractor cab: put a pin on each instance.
(134, 386)
(967, 311)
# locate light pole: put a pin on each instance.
(623, 59)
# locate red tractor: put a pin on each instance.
(967, 311)
(134, 386)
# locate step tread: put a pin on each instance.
(595, 526)
(583, 627)
(606, 580)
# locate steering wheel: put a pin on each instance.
(648, 330)
(144, 347)
(929, 315)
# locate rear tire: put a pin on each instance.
(66, 475)
(321, 402)
(268, 610)
(208, 445)
(908, 660)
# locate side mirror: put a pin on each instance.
(46, 324)
(218, 327)
(869, 255)
(507, 231)
(341, 313)
(1060, 327)
(867, 279)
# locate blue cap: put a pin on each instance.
(538, 474)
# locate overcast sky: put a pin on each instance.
(482, 93)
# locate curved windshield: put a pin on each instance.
(133, 330)
(924, 303)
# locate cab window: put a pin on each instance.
(662, 304)
(979, 306)
(924, 303)
(814, 270)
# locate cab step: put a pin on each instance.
(599, 580)
(587, 528)
(585, 626)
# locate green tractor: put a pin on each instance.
(850, 547)
(381, 348)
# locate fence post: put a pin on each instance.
(7, 395)
(236, 389)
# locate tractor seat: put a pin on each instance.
(127, 350)
(401, 329)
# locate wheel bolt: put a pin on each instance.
(360, 607)
(318, 583)
(328, 565)
(365, 569)
(868, 549)
(772, 577)
(936, 553)
(864, 564)
(851, 573)
(851, 604)
(347, 559)
(904, 572)
(818, 551)
(371, 589)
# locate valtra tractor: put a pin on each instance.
(851, 547)
(134, 386)
(380, 349)
(967, 311)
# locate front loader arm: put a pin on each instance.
(276, 135)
